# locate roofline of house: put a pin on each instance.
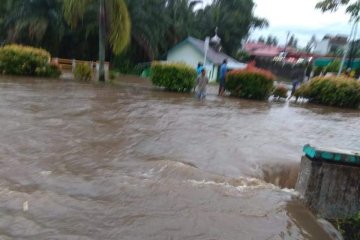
(183, 42)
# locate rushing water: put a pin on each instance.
(82, 161)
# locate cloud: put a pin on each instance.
(300, 18)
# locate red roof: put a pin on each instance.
(259, 49)
(251, 46)
(262, 50)
(267, 52)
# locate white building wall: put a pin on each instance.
(189, 55)
(322, 47)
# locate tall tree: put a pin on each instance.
(35, 22)
(181, 18)
(293, 41)
(353, 8)
(275, 41)
(261, 39)
(150, 22)
(157, 25)
(234, 19)
(311, 44)
(3, 11)
(114, 24)
(332, 5)
(272, 41)
(269, 40)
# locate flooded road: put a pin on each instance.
(81, 161)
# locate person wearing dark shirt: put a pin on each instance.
(199, 68)
(223, 72)
(295, 80)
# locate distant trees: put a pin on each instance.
(261, 39)
(157, 25)
(311, 44)
(272, 41)
(114, 24)
(353, 7)
(35, 22)
(293, 41)
(3, 11)
(234, 18)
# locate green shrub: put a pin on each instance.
(349, 228)
(26, 61)
(318, 71)
(83, 72)
(140, 68)
(333, 67)
(357, 72)
(252, 83)
(52, 70)
(309, 69)
(173, 76)
(280, 91)
(332, 91)
(113, 75)
(243, 56)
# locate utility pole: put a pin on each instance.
(102, 41)
(206, 49)
(351, 54)
(285, 48)
(348, 46)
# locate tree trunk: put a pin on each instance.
(102, 41)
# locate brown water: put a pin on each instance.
(82, 161)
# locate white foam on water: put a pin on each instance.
(26, 206)
(45, 173)
(291, 191)
(246, 184)
(153, 172)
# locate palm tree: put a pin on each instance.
(149, 24)
(234, 19)
(331, 5)
(182, 19)
(36, 22)
(353, 7)
(114, 24)
(159, 24)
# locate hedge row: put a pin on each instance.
(251, 83)
(173, 76)
(27, 61)
(332, 91)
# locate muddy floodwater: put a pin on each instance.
(89, 161)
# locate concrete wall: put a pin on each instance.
(330, 190)
(186, 53)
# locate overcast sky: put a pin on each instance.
(300, 18)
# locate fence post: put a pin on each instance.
(73, 65)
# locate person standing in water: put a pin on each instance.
(201, 84)
(200, 66)
(223, 72)
(295, 84)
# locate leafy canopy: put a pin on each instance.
(117, 20)
(353, 8)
